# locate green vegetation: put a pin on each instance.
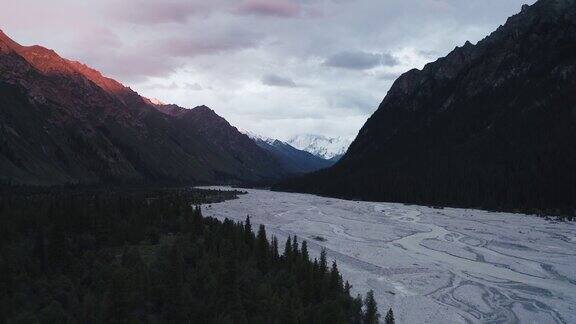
(146, 257)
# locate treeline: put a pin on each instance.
(451, 182)
(148, 257)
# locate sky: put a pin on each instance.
(278, 68)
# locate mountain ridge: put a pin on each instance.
(487, 126)
(328, 148)
(292, 159)
(63, 122)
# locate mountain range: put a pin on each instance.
(62, 122)
(290, 158)
(491, 125)
(329, 148)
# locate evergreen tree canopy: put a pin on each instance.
(134, 257)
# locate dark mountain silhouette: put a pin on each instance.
(63, 122)
(491, 125)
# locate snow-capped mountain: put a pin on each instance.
(257, 137)
(329, 148)
(290, 158)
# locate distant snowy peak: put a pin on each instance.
(322, 146)
(257, 137)
(293, 160)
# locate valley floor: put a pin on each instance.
(431, 265)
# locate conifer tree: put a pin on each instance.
(209, 278)
(304, 251)
(262, 248)
(248, 230)
(274, 248)
(389, 319)
(248, 224)
(347, 288)
(371, 315)
(288, 249)
(357, 309)
(335, 284)
(323, 263)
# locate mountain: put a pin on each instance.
(491, 125)
(291, 159)
(64, 122)
(328, 148)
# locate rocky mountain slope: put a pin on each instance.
(490, 125)
(290, 158)
(63, 122)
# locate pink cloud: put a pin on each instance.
(279, 8)
(156, 12)
(218, 42)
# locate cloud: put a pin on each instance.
(162, 86)
(354, 101)
(147, 12)
(389, 60)
(275, 80)
(192, 45)
(195, 86)
(360, 60)
(240, 56)
(278, 8)
(130, 66)
(389, 76)
(174, 86)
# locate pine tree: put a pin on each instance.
(247, 225)
(262, 248)
(206, 278)
(347, 288)
(323, 263)
(274, 248)
(288, 249)
(371, 315)
(357, 309)
(335, 284)
(248, 231)
(389, 319)
(304, 251)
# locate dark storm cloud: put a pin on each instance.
(275, 80)
(360, 60)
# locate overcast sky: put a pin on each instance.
(275, 67)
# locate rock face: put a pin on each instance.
(490, 125)
(63, 122)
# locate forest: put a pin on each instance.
(151, 257)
